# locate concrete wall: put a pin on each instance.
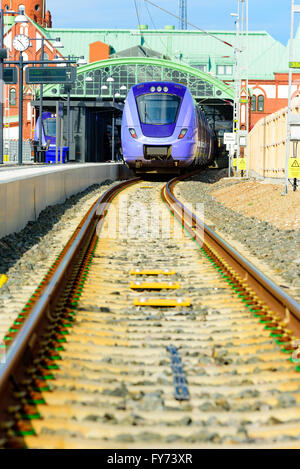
(267, 144)
(24, 196)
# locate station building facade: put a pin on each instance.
(205, 64)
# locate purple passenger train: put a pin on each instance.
(163, 130)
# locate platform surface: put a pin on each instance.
(27, 190)
(9, 173)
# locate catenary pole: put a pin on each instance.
(41, 105)
(20, 146)
(288, 117)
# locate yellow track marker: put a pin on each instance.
(161, 302)
(3, 280)
(152, 272)
(154, 285)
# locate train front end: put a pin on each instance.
(158, 127)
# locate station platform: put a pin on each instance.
(27, 190)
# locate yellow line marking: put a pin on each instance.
(161, 302)
(3, 280)
(154, 285)
(152, 272)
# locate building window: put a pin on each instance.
(12, 97)
(261, 103)
(37, 7)
(253, 103)
(201, 67)
(224, 69)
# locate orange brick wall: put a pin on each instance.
(35, 9)
(99, 51)
(273, 104)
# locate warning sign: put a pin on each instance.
(294, 168)
(242, 164)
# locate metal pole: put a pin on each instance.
(288, 130)
(1, 88)
(238, 90)
(247, 88)
(61, 138)
(236, 114)
(69, 118)
(69, 114)
(57, 131)
(41, 106)
(113, 128)
(20, 152)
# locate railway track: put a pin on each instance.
(148, 334)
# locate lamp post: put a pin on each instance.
(20, 18)
(237, 80)
(123, 88)
(20, 64)
(295, 8)
(103, 88)
(81, 61)
(241, 101)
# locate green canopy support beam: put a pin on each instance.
(130, 71)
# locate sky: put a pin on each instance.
(272, 16)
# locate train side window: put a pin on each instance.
(195, 118)
(12, 97)
(261, 103)
(253, 103)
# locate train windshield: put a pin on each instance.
(50, 127)
(158, 109)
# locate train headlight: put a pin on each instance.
(152, 89)
(159, 89)
(166, 89)
(133, 133)
(183, 133)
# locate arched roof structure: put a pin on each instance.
(130, 71)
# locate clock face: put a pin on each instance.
(21, 42)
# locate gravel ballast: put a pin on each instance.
(25, 257)
(275, 251)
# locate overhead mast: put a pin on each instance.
(183, 14)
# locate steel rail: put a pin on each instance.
(47, 300)
(277, 299)
(28, 335)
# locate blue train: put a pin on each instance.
(48, 140)
(163, 130)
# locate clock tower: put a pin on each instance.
(35, 9)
